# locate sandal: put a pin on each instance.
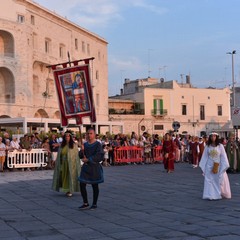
(68, 194)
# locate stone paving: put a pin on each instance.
(137, 202)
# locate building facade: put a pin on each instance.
(155, 107)
(31, 38)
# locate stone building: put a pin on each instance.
(31, 38)
(153, 107)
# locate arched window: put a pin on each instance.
(41, 113)
(7, 86)
(6, 44)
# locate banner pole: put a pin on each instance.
(80, 135)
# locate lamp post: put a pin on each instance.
(233, 82)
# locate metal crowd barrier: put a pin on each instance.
(157, 154)
(27, 159)
(133, 154)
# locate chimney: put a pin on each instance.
(161, 80)
(121, 91)
(188, 79)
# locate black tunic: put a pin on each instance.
(92, 171)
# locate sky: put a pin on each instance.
(162, 38)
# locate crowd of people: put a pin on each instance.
(80, 160)
(180, 148)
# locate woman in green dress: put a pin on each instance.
(67, 169)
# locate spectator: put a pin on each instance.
(147, 150)
(2, 154)
(25, 143)
(15, 144)
(106, 148)
(6, 138)
(46, 146)
(156, 141)
(134, 139)
(54, 146)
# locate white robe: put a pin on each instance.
(216, 186)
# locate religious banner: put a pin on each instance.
(74, 92)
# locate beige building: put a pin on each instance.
(154, 107)
(31, 38)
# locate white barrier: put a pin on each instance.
(27, 159)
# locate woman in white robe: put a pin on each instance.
(214, 164)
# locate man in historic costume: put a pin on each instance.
(178, 147)
(92, 172)
(214, 164)
(168, 151)
(201, 147)
(195, 152)
(67, 167)
(233, 154)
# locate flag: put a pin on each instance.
(74, 92)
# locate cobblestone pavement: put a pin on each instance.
(139, 202)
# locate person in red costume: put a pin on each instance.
(168, 151)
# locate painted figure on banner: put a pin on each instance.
(79, 92)
(75, 92)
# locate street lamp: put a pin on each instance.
(233, 82)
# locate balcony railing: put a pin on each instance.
(159, 112)
(126, 111)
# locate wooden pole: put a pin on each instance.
(80, 136)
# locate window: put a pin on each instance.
(202, 112)
(158, 127)
(83, 47)
(158, 107)
(76, 43)
(32, 20)
(47, 45)
(97, 99)
(88, 49)
(97, 75)
(20, 18)
(184, 109)
(99, 55)
(61, 50)
(219, 109)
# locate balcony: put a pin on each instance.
(159, 112)
(123, 111)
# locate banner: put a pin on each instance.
(74, 93)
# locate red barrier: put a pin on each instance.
(131, 154)
(128, 154)
(157, 154)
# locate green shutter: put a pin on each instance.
(161, 106)
(154, 106)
